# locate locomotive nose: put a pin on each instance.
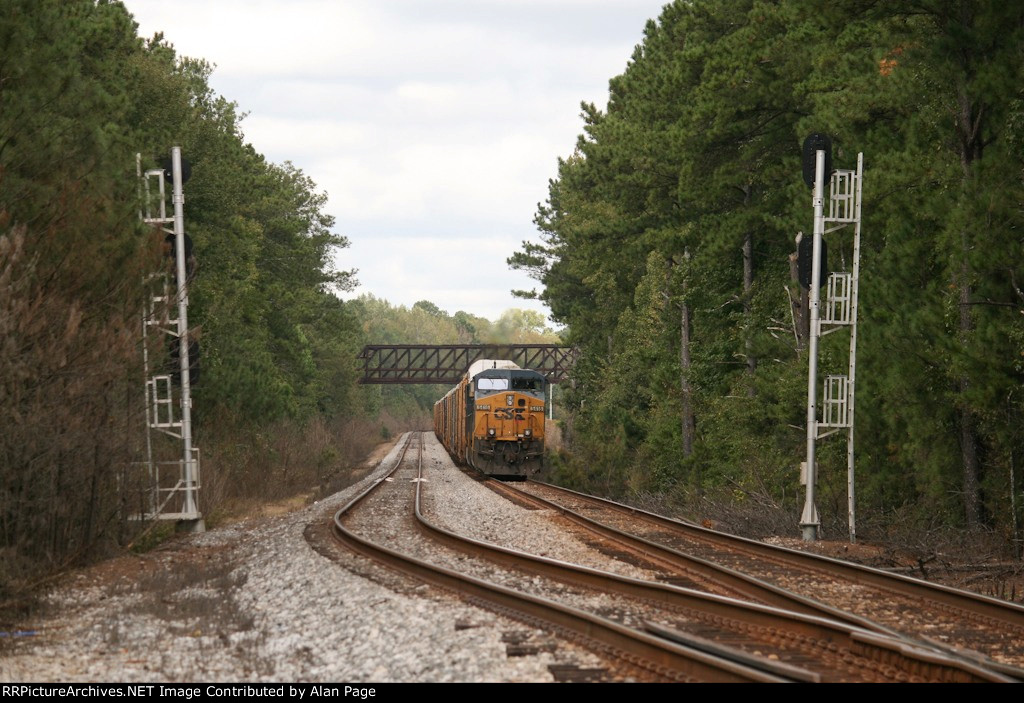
(511, 453)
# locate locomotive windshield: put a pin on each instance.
(522, 380)
(492, 384)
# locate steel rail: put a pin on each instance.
(748, 586)
(664, 659)
(992, 610)
(1003, 611)
(885, 651)
(898, 652)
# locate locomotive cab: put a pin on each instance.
(494, 419)
(508, 428)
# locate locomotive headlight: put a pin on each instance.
(528, 433)
(509, 399)
(490, 432)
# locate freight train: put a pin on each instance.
(494, 419)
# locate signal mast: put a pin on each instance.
(840, 311)
(166, 315)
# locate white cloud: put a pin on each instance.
(454, 273)
(264, 37)
(433, 125)
(371, 176)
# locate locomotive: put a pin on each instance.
(493, 419)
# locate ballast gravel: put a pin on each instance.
(454, 501)
(254, 601)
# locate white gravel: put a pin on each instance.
(466, 507)
(254, 602)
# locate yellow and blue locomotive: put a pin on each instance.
(494, 419)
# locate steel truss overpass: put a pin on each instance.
(446, 363)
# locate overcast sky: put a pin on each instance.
(432, 125)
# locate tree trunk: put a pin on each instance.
(968, 125)
(748, 291)
(689, 423)
(965, 418)
(799, 301)
(685, 363)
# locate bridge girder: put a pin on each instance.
(446, 363)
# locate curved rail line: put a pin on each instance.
(732, 581)
(989, 611)
(882, 657)
(804, 648)
(654, 655)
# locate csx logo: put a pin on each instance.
(509, 414)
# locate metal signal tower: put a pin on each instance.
(840, 310)
(165, 318)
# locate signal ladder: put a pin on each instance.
(840, 305)
(171, 482)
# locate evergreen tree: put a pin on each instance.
(696, 158)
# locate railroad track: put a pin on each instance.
(637, 654)
(667, 632)
(680, 568)
(985, 630)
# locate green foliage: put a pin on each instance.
(681, 201)
(80, 94)
(71, 258)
